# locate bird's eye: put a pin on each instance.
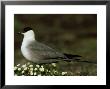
(27, 29)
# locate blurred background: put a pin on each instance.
(67, 33)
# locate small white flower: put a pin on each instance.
(30, 65)
(35, 69)
(41, 69)
(25, 68)
(35, 73)
(31, 69)
(18, 65)
(42, 66)
(31, 73)
(15, 68)
(37, 66)
(19, 69)
(63, 73)
(22, 72)
(47, 70)
(54, 64)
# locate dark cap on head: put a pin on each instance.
(27, 29)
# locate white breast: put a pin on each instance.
(28, 38)
(25, 51)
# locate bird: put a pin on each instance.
(39, 53)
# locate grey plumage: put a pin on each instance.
(43, 53)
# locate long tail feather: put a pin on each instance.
(70, 56)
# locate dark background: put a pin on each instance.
(68, 33)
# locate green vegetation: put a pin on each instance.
(54, 69)
(38, 70)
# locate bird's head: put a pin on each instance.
(27, 32)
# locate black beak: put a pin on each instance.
(19, 33)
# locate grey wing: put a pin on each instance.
(44, 51)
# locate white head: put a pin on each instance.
(28, 33)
